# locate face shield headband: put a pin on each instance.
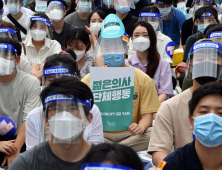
(57, 3)
(58, 70)
(217, 34)
(49, 23)
(8, 47)
(101, 166)
(150, 14)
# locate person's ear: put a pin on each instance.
(65, 12)
(90, 117)
(46, 121)
(22, 4)
(191, 122)
(17, 60)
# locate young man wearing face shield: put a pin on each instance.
(205, 121)
(57, 10)
(111, 48)
(171, 124)
(16, 17)
(19, 95)
(80, 17)
(122, 8)
(107, 7)
(67, 102)
(172, 20)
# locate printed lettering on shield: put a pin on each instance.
(170, 49)
(7, 126)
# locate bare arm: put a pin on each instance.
(162, 97)
(158, 157)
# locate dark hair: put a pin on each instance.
(208, 28)
(213, 28)
(212, 88)
(169, 2)
(153, 55)
(150, 9)
(115, 153)
(68, 86)
(39, 15)
(77, 34)
(1, 4)
(13, 42)
(101, 14)
(7, 25)
(64, 3)
(62, 60)
(204, 9)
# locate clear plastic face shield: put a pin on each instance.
(14, 6)
(67, 117)
(8, 33)
(202, 23)
(56, 11)
(107, 3)
(204, 60)
(123, 6)
(51, 73)
(85, 6)
(40, 28)
(112, 43)
(8, 54)
(198, 4)
(154, 19)
(101, 166)
(165, 9)
(216, 36)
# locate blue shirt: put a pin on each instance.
(184, 158)
(172, 26)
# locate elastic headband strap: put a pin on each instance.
(8, 47)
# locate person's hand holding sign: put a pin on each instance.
(135, 129)
(8, 147)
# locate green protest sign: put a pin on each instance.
(41, 6)
(113, 92)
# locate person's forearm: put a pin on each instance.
(146, 121)
(20, 139)
(157, 157)
(162, 97)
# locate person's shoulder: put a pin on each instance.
(163, 61)
(72, 14)
(86, 79)
(187, 22)
(178, 158)
(160, 35)
(26, 15)
(26, 80)
(141, 75)
(34, 113)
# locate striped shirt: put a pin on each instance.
(49, 48)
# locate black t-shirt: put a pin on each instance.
(187, 30)
(61, 37)
(128, 22)
(184, 158)
(72, 9)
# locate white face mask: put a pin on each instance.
(79, 54)
(38, 35)
(96, 27)
(6, 67)
(155, 25)
(56, 15)
(65, 127)
(141, 44)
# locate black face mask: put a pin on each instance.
(206, 79)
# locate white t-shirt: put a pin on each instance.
(162, 43)
(23, 21)
(24, 65)
(17, 99)
(92, 133)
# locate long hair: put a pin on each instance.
(153, 56)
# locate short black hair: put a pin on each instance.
(13, 42)
(61, 60)
(77, 34)
(214, 28)
(64, 3)
(150, 9)
(68, 86)
(115, 153)
(212, 88)
(204, 9)
(101, 14)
